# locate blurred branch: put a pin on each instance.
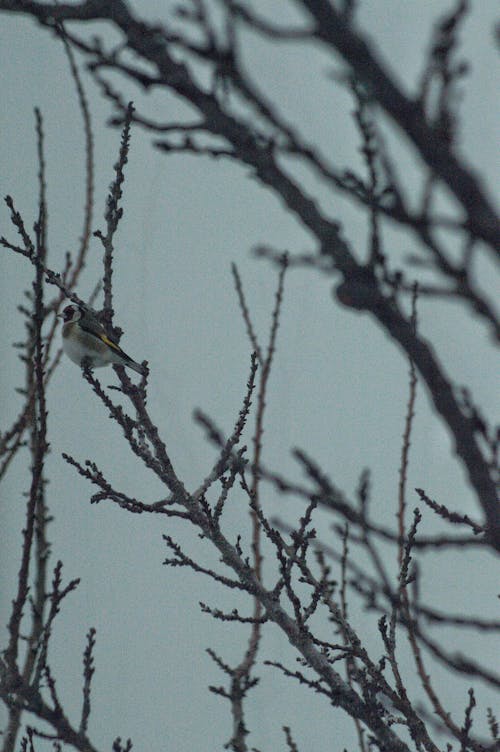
(35, 546)
(89, 159)
(360, 289)
(234, 118)
(333, 31)
(24, 661)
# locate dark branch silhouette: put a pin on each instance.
(311, 586)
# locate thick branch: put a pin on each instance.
(408, 114)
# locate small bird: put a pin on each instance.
(86, 340)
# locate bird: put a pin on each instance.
(86, 341)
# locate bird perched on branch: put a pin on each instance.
(86, 341)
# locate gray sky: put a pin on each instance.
(338, 390)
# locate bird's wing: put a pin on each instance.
(97, 330)
(109, 342)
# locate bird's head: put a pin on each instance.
(71, 313)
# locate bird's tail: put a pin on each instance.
(135, 366)
(121, 358)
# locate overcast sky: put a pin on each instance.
(338, 389)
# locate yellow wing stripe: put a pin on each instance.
(110, 343)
